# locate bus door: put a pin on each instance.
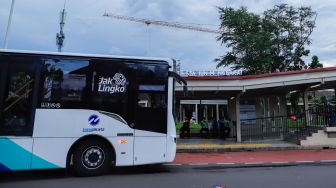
(16, 112)
(151, 114)
(114, 95)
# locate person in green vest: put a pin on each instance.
(224, 127)
(204, 128)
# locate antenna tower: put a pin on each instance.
(61, 36)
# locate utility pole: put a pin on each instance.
(61, 36)
(8, 24)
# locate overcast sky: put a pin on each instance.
(36, 22)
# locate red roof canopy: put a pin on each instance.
(259, 75)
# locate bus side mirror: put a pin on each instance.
(185, 90)
(181, 81)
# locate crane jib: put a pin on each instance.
(163, 23)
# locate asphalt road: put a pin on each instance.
(203, 176)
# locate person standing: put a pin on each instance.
(204, 128)
(185, 128)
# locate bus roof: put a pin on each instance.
(169, 60)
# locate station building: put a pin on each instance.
(256, 104)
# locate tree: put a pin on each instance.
(294, 99)
(271, 42)
(315, 63)
(324, 100)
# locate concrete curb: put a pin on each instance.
(255, 164)
(239, 149)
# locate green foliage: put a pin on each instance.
(324, 100)
(333, 100)
(271, 42)
(193, 126)
(315, 63)
(294, 99)
(313, 98)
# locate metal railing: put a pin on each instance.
(262, 128)
(309, 122)
(292, 127)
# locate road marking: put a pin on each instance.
(172, 164)
(225, 163)
(194, 164)
(279, 162)
(323, 161)
(304, 161)
(256, 163)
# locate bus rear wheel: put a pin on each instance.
(91, 158)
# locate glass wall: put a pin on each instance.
(196, 110)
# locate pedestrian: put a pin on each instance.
(204, 132)
(224, 127)
(185, 128)
(332, 120)
(214, 129)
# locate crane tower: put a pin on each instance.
(162, 23)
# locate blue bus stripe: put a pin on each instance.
(16, 157)
(3, 168)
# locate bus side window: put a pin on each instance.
(152, 98)
(17, 93)
(17, 101)
(64, 83)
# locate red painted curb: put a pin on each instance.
(256, 157)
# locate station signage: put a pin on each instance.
(187, 73)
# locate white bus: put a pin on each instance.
(85, 112)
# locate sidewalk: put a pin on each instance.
(229, 153)
(258, 158)
(196, 145)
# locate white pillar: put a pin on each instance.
(238, 126)
(196, 113)
(181, 113)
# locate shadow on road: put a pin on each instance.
(144, 169)
(62, 173)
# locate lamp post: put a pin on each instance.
(8, 24)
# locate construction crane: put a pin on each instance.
(162, 23)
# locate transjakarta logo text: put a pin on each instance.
(93, 129)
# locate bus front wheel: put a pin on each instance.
(91, 158)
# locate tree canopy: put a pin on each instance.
(274, 41)
(315, 63)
